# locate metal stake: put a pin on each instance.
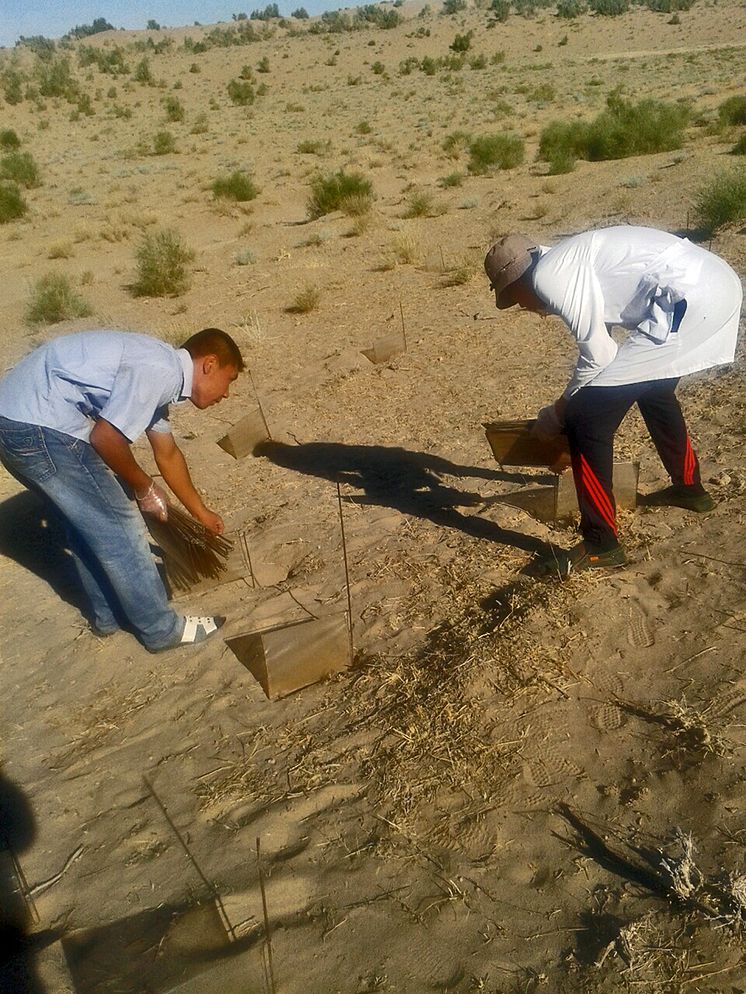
(347, 572)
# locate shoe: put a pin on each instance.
(691, 498)
(561, 563)
(196, 629)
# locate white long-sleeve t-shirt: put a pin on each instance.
(633, 278)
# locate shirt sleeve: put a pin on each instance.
(138, 398)
(161, 421)
(565, 279)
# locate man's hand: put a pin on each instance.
(212, 522)
(153, 502)
(548, 425)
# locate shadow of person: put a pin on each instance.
(410, 482)
(17, 832)
(32, 535)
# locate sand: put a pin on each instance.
(502, 794)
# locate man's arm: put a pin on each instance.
(173, 468)
(114, 449)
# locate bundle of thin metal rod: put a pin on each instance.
(190, 552)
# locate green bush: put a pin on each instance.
(9, 139)
(12, 83)
(263, 64)
(733, 111)
(174, 109)
(461, 43)
(351, 193)
(241, 92)
(740, 147)
(609, 8)
(494, 152)
(723, 200)
(238, 186)
(570, 9)
(501, 10)
(623, 129)
(162, 260)
(164, 143)
(452, 179)
(12, 204)
(142, 73)
(53, 299)
(310, 147)
(453, 6)
(420, 204)
(19, 167)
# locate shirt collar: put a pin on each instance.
(187, 366)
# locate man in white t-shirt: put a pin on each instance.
(680, 306)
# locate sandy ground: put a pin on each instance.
(503, 793)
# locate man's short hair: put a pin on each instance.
(213, 341)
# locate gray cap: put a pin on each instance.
(507, 261)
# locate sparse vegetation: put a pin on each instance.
(20, 168)
(350, 193)
(164, 143)
(722, 200)
(162, 261)
(9, 140)
(241, 92)
(310, 147)
(623, 129)
(419, 204)
(174, 109)
(239, 187)
(306, 301)
(488, 152)
(733, 111)
(12, 204)
(53, 299)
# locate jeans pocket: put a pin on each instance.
(24, 452)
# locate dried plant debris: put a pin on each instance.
(689, 729)
(677, 861)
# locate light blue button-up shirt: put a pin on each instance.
(127, 379)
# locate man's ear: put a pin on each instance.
(209, 362)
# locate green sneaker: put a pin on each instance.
(677, 495)
(561, 563)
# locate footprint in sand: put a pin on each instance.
(639, 633)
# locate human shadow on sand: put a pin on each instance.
(410, 482)
(19, 942)
(32, 535)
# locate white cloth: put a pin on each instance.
(633, 278)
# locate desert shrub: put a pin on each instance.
(12, 84)
(12, 204)
(263, 64)
(494, 152)
(733, 110)
(200, 125)
(162, 261)
(608, 8)
(98, 25)
(53, 299)
(241, 92)
(19, 167)
(310, 147)
(500, 9)
(301, 14)
(363, 128)
(623, 129)
(164, 143)
(453, 6)
(455, 143)
(478, 62)
(60, 250)
(238, 187)
(142, 73)
(452, 179)
(351, 193)
(570, 9)
(56, 78)
(420, 204)
(307, 300)
(740, 147)
(722, 200)
(174, 109)
(9, 139)
(461, 43)
(378, 68)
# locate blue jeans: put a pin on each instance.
(105, 529)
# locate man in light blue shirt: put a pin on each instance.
(69, 412)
